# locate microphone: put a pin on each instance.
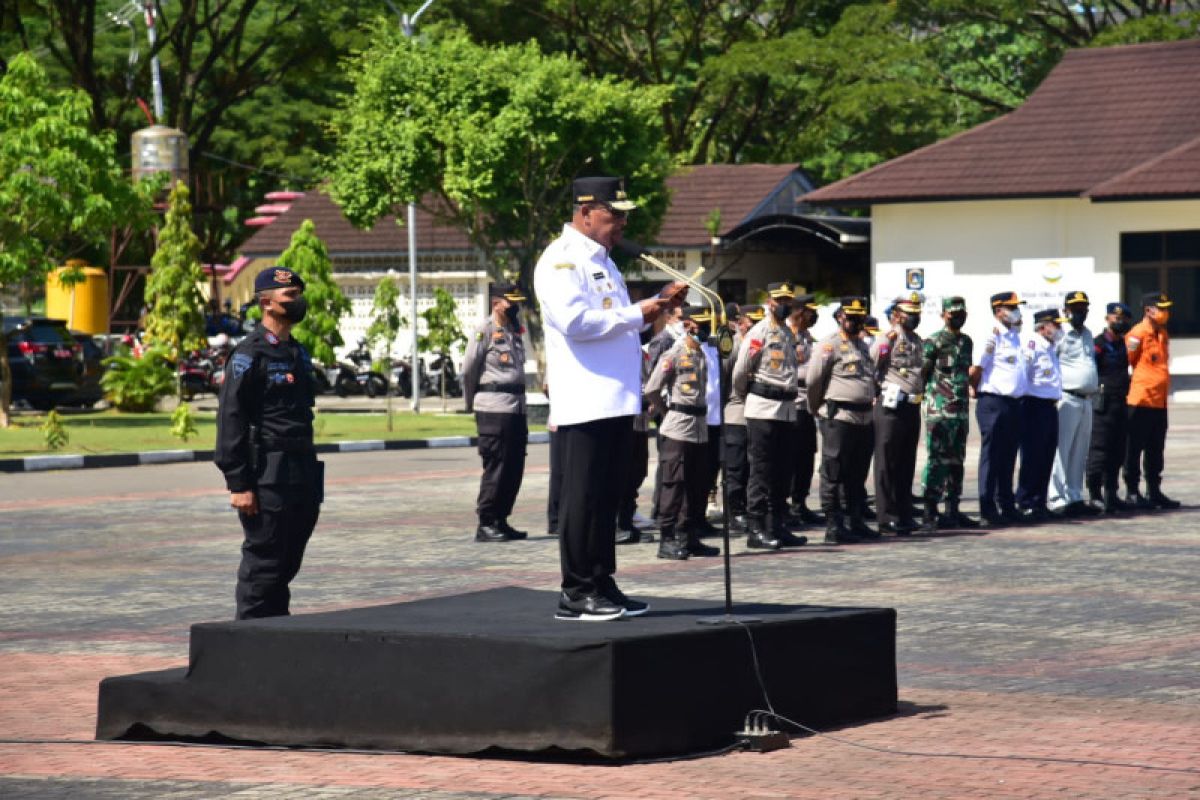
(632, 249)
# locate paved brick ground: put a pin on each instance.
(1074, 641)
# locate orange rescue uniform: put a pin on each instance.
(1148, 355)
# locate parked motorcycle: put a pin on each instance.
(442, 372)
(402, 379)
(201, 372)
(362, 379)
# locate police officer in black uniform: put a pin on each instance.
(265, 446)
(1109, 423)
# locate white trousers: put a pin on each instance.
(1070, 460)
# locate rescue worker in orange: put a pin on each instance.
(1149, 352)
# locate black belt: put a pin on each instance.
(695, 411)
(999, 396)
(771, 392)
(842, 405)
(286, 444)
(1080, 395)
(506, 388)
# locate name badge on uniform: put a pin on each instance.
(1011, 359)
(852, 367)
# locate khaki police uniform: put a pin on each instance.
(804, 429)
(494, 388)
(899, 356)
(765, 375)
(841, 391)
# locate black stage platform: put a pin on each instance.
(494, 672)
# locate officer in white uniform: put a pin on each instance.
(1000, 381)
(1080, 382)
(1039, 414)
(592, 349)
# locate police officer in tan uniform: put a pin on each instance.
(676, 389)
(765, 375)
(734, 436)
(899, 359)
(494, 388)
(841, 393)
(804, 443)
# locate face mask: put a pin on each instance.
(697, 337)
(702, 334)
(1163, 317)
(956, 321)
(1120, 326)
(294, 310)
(676, 328)
(1012, 316)
(511, 312)
(911, 322)
(1078, 318)
(781, 312)
(1058, 335)
(853, 326)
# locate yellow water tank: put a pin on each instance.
(83, 305)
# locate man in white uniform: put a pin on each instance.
(1080, 382)
(593, 351)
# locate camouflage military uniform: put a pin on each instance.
(946, 366)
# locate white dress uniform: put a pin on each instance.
(1002, 383)
(1080, 381)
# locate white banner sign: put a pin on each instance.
(1044, 282)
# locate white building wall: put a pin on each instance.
(981, 240)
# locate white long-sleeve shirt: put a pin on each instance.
(591, 331)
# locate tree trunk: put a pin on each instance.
(5, 384)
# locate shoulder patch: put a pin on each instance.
(240, 363)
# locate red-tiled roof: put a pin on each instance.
(342, 237)
(1099, 114)
(736, 189)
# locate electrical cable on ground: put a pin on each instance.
(758, 714)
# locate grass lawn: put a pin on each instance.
(111, 432)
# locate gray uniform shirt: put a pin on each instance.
(495, 355)
(842, 369)
(767, 358)
(804, 350)
(735, 408)
(681, 378)
(903, 357)
(1077, 358)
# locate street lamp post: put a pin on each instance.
(408, 25)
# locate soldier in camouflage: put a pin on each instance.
(946, 369)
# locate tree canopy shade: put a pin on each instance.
(489, 139)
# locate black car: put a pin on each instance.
(44, 358)
(90, 370)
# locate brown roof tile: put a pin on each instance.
(1174, 174)
(736, 189)
(1100, 113)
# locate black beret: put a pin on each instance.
(277, 278)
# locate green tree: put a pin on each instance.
(61, 189)
(386, 321)
(488, 139)
(443, 333)
(308, 257)
(175, 319)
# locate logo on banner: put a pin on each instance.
(914, 279)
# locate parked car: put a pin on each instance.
(44, 360)
(90, 369)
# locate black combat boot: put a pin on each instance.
(490, 532)
(806, 515)
(835, 530)
(1113, 504)
(510, 531)
(929, 518)
(781, 533)
(1160, 500)
(961, 520)
(1136, 500)
(759, 538)
(860, 529)
(670, 545)
(697, 548)
(739, 522)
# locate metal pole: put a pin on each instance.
(156, 76)
(407, 25)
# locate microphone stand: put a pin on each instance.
(721, 341)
